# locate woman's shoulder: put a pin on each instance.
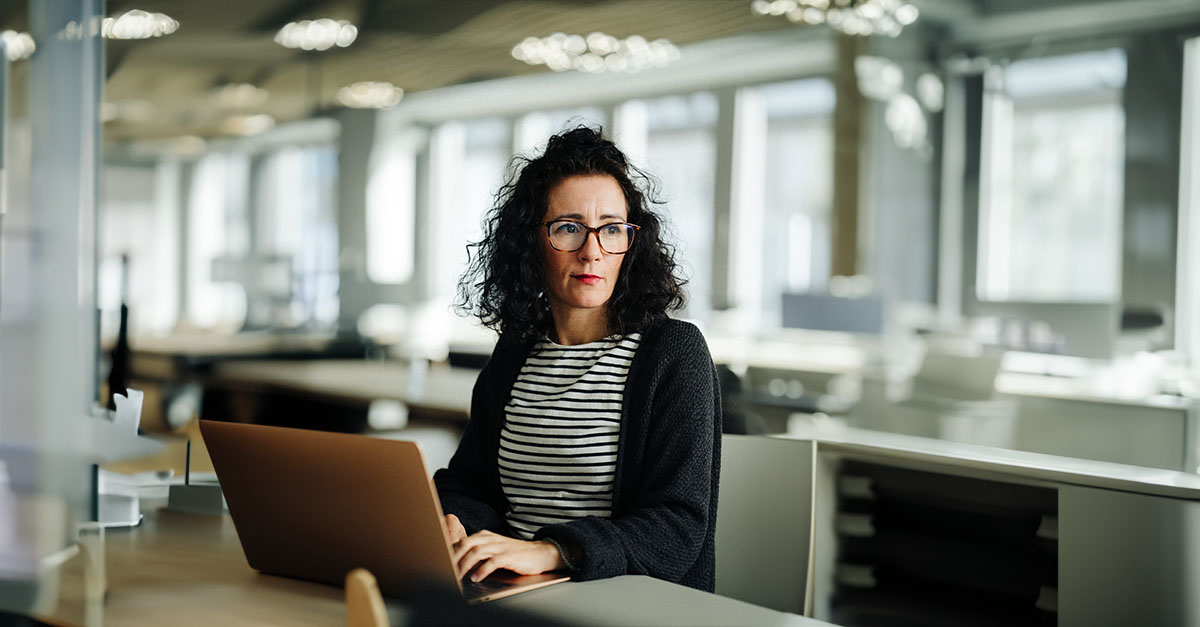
(510, 350)
(673, 335)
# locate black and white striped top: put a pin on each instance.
(558, 447)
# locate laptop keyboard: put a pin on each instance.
(487, 586)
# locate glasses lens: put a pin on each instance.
(616, 238)
(567, 235)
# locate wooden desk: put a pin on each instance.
(186, 569)
(183, 569)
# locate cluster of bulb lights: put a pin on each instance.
(17, 46)
(133, 24)
(138, 24)
(852, 17)
(321, 34)
(369, 95)
(595, 53)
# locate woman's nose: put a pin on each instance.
(591, 248)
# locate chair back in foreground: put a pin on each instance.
(764, 521)
(364, 602)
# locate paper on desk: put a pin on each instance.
(113, 434)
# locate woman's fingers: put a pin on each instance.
(455, 529)
(471, 550)
(480, 562)
(485, 552)
(488, 566)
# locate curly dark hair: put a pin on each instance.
(504, 284)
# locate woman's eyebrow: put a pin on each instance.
(579, 217)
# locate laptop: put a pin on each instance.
(315, 505)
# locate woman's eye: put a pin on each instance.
(566, 227)
(612, 229)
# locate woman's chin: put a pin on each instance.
(586, 301)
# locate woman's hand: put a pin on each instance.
(485, 551)
(455, 529)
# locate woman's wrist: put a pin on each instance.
(565, 557)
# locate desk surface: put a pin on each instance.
(441, 388)
(185, 569)
(1023, 466)
(636, 600)
(226, 345)
(788, 354)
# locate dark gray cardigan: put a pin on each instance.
(665, 490)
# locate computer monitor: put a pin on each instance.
(822, 311)
(1078, 329)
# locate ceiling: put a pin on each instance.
(167, 87)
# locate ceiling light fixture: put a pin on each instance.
(905, 116)
(852, 17)
(138, 24)
(187, 145)
(596, 53)
(248, 124)
(878, 78)
(17, 46)
(135, 111)
(321, 34)
(369, 95)
(240, 96)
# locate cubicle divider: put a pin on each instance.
(764, 521)
(1160, 433)
(866, 528)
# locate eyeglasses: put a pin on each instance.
(568, 236)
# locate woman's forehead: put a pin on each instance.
(578, 197)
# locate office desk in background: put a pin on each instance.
(172, 368)
(441, 390)
(185, 569)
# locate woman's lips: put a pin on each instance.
(586, 279)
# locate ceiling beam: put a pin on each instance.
(288, 12)
(1087, 20)
(14, 15)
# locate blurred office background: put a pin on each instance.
(970, 220)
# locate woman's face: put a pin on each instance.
(583, 279)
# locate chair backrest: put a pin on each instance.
(764, 521)
(364, 603)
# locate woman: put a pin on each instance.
(593, 443)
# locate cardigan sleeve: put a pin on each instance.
(463, 485)
(665, 528)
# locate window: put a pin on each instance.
(1187, 290)
(533, 129)
(1052, 180)
(298, 248)
(216, 228)
(798, 194)
(391, 210)
(138, 217)
(469, 160)
(681, 154)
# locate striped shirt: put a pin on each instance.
(558, 446)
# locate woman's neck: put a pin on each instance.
(579, 326)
